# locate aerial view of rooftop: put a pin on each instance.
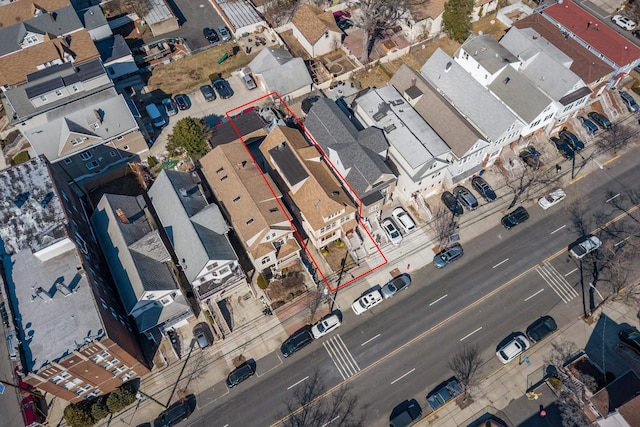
(266, 213)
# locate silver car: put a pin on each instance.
(392, 231)
(551, 199)
(585, 246)
(448, 255)
(396, 285)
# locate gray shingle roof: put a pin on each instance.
(113, 48)
(519, 94)
(272, 64)
(490, 54)
(92, 17)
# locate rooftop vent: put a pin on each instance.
(122, 216)
(507, 80)
(335, 193)
(449, 64)
(183, 192)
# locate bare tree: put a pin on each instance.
(524, 181)
(280, 12)
(139, 7)
(310, 407)
(561, 353)
(443, 225)
(465, 364)
(616, 137)
(571, 412)
(580, 222)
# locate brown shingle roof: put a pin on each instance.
(23, 10)
(15, 67)
(631, 411)
(312, 22)
(428, 9)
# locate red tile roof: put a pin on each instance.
(598, 35)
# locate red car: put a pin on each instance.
(341, 14)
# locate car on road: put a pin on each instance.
(584, 246)
(541, 328)
(444, 393)
(210, 35)
(222, 87)
(465, 198)
(366, 302)
(588, 125)
(515, 217)
(571, 139)
(396, 285)
(201, 336)
(174, 414)
(530, 160)
(447, 256)
(631, 338)
(600, 119)
(240, 374)
(404, 219)
(248, 81)
(326, 325)
(452, 203)
(224, 33)
(405, 414)
(629, 101)
(564, 148)
(551, 199)
(623, 22)
(512, 349)
(296, 341)
(170, 106)
(392, 231)
(483, 188)
(183, 101)
(208, 93)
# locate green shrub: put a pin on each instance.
(99, 410)
(120, 398)
(78, 415)
(338, 243)
(555, 382)
(290, 296)
(21, 157)
(152, 161)
(263, 283)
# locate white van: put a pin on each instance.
(156, 117)
(12, 344)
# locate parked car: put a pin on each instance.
(600, 119)
(465, 198)
(179, 411)
(325, 326)
(588, 125)
(396, 285)
(344, 24)
(515, 217)
(170, 106)
(208, 93)
(513, 348)
(403, 219)
(341, 14)
(296, 341)
(452, 203)
(530, 160)
(631, 338)
(183, 101)
(541, 328)
(444, 393)
(224, 33)
(447, 256)
(636, 33)
(248, 81)
(200, 336)
(629, 101)
(210, 35)
(392, 231)
(584, 246)
(222, 87)
(623, 22)
(240, 374)
(572, 139)
(563, 147)
(366, 302)
(551, 199)
(483, 188)
(405, 413)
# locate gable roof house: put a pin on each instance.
(423, 20)
(316, 30)
(95, 22)
(116, 57)
(358, 155)
(471, 151)
(197, 232)
(419, 155)
(140, 264)
(252, 205)
(75, 340)
(269, 67)
(313, 193)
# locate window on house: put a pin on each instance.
(85, 155)
(224, 178)
(73, 383)
(43, 98)
(249, 221)
(85, 388)
(75, 88)
(113, 153)
(266, 260)
(126, 147)
(79, 140)
(100, 357)
(126, 377)
(219, 170)
(58, 93)
(67, 161)
(31, 39)
(60, 377)
(119, 369)
(237, 199)
(92, 165)
(110, 363)
(95, 393)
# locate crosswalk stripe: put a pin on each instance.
(557, 282)
(341, 357)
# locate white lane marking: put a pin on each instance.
(341, 357)
(558, 229)
(611, 198)
(557, 282)
(301, 381)
(572, 271)
(330, 421)
(369, 340)
(468, 335)
(500, 263)
(531, 296)
(439, 299)
(398, 379)
(622, 241)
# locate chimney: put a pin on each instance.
(98, 115)
(183, 192)
(53, 16)
(122, 216)
(413, 81)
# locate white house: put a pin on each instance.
(316, 30)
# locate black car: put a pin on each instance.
(295, 342)
(636, 33)
(483, 188)
(222, 87)
(183, 101)
(572, 139)
(564, 148)
(465, 198)
(444, 393)
(630, 338)
(210, 35)
(405, 413)
(517, 216)
(541, 328)
(240, 374)
(175, 413)
(208, 93)
(344, 24)
(530, 159)
(452, 203)
(600, 119)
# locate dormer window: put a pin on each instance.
(30, 39)
(326, 34)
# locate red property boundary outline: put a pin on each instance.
(241, 109)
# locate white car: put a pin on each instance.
(365, 302)
(623, 22)
(513, 348)
(553, 198)
(585, 246)
(404, 220)
(325, 326)
(392, 231)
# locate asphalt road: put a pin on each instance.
(400, 349)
